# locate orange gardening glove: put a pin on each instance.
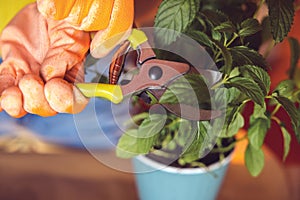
(43, 54)
(111, 20)
(40, 57)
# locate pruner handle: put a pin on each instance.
(110, 92)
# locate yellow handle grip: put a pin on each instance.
(136, 38)
(110, 92)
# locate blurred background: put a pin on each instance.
(47, 158)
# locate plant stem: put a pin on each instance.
(136, 118)
(199, 164)
(232, 39)
(220, 83)
(218, 60)
(276, 119)
(229, 147)
(269, 97)
(218, 55)
(275, 110)
(154, 100)
(174, 121)
(221, 155)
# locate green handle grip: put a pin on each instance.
(110, 92)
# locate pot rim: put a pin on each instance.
(170, 169)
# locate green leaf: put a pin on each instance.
(152, 125)
(285, 88)
(189, 89)
(254, 160)
(215, 18)
(260, 111)
(141, 140)
(227, 27)
(260, 76)
(295, 54)
(230, 101)
(174, 15)
(216, 22)
(291, 109)
(224, 97)
(249, 27)
(235, 97)
(195, 149)
(217, 36)
(248, 87)
(186, 130)
(281, 14)
(130, 146)
(296, 96)
(201, 37)
(235, 72)
(203, 26)
(243, 55)
(233, 127)
(257, 131)
(286, 142)
(226, 54)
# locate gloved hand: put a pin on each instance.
(43, 53)
(112, 19)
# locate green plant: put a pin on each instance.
(230, 32)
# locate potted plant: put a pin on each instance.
(232, 32)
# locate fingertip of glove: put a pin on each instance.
(32, 88)
(63, 97)
(12, 102)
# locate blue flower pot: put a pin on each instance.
(156, 181)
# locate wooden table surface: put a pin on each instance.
(73, 174)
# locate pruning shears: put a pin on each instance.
(154, 75)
